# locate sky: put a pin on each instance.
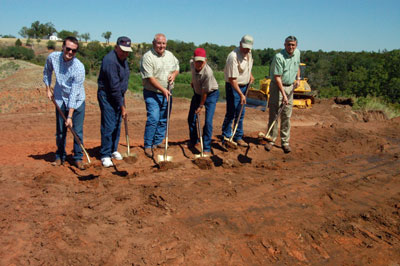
(336, 25)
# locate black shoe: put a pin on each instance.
(286, 148)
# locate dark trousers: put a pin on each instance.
(110, 128)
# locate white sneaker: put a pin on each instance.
(116, 155)
(106, 162)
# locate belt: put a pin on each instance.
(287, 85)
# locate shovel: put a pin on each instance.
(164, 157)
(128, 156)
(229, 141)
(72, 131)
(266, 135)
(201, 155)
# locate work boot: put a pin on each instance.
(241, 143)
(159, 146)
(117, 156)
(286, 148)
(148, 152)
(268, 146)
(79, 165)
(57, 162)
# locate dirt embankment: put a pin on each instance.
(335, 200)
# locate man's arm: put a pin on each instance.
(297, 81)
(47, 72)
(202, 102)
(154, 82)
(172, 76)
(235, 85)
(278, 80)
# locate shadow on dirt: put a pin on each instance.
(48, 157)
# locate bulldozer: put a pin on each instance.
(303, 96)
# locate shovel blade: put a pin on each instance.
(163, 158)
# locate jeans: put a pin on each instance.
(156, 124)
(232, 112)
(61, 132)
(111, 117)
(275, 101)
(209, 104)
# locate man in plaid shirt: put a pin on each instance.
(69, 94)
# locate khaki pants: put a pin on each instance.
(275, 101)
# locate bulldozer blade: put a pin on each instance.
(256, 104)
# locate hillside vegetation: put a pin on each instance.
(369, 76)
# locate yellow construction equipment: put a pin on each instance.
(303, 96)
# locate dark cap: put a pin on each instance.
(124, 43)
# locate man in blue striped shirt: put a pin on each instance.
(69, 94)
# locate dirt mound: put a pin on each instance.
(333, 200)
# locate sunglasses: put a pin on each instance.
(70, 49)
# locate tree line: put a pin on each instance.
(358, 74)
(39, 30)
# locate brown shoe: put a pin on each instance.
(148, 152)
(268, 146)
(286, 148)
(241, 143)
(159, 146)
(57, 162)
(79, 165)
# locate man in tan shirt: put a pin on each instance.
(237, 78)
(205, 96)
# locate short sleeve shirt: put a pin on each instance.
(203, 81)
(286, 66)
(238, 67)
(157, 66)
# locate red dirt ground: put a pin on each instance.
(335, 200)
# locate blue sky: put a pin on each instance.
(351, 25)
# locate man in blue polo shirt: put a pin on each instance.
(112, 85)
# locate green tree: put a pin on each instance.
(85, 36)
(18, 42)
(107, 35)
(64, 34)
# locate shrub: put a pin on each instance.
(51, 45)
(18, 42)
(18, 52)
(29, 42)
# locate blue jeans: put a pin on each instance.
(156, 124)
(111, 117)
(61, 131)
(210, 103)
(232, 112)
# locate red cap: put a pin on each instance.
(199, 54)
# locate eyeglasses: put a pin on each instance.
(70, 49)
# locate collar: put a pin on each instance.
(157, 54)
(286, 54)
